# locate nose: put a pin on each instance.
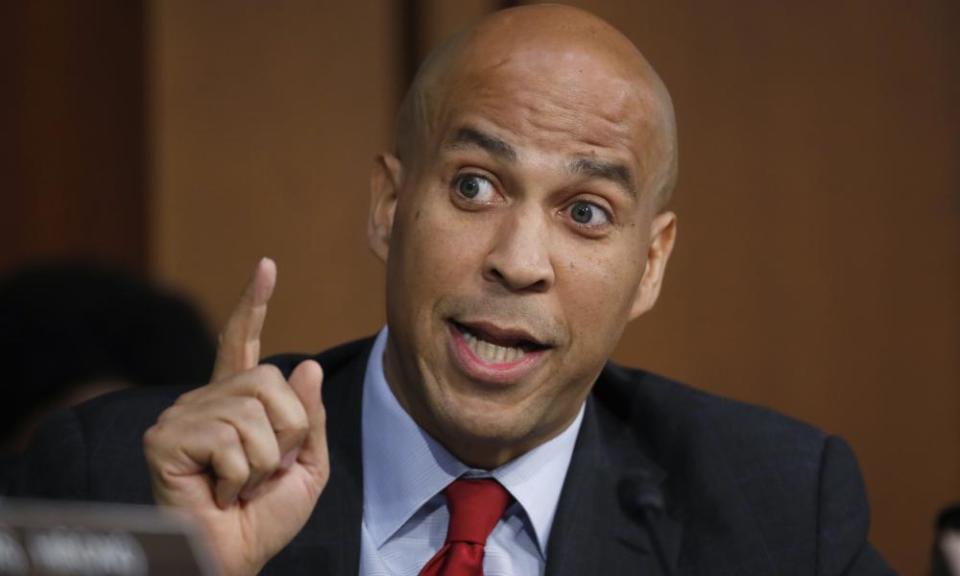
(519, 258)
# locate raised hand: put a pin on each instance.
(246, 455)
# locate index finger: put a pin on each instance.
(239, 348)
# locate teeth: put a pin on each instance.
(491, 352)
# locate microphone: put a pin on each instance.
(643, 500)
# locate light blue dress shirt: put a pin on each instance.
(405, 471)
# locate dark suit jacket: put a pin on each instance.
(661, 475)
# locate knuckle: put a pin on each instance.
(152, 438)
(250, 407)
(269, 374)
(265, 462)
(234, 469)
(224, 435)
(188, 397)
(291, 413)
(171, 413)
(291, 433)
(300, 423)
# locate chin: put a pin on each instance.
(481, 420)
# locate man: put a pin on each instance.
(521, 219)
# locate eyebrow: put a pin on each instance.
(613, 171)
(467, 137)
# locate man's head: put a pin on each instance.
(521, 219)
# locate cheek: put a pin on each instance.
(441, 254)
(442, 247)
(597, 288)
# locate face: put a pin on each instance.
(517, 249)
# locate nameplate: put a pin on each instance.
(47, 538)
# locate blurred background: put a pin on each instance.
(818, 265)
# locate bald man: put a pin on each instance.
(522, 221)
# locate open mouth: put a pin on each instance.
(496, 346)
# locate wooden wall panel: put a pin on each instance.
(265, 118)
(441, 19)
(71, 143)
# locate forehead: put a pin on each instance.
(567, 101)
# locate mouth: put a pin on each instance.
(489, 353)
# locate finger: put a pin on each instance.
(249, 417)
(232, 471)
(189, 447)
(287, 415)
(240, 341)
(307, 380)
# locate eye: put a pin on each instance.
(474, 188)
(589, 214)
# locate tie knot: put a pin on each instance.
(475, 507)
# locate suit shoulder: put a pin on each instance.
(94, 451)
(332, 360)
(717, 451)
(743, 475)
(680, 411)
(127, 405)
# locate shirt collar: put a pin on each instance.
(403, 467)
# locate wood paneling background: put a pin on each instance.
(72, 135)
(818, 264)
(265, 119)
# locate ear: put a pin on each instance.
(663, 233)
(386, 182)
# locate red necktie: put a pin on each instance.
(475, 508)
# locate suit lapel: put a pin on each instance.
(613, 516)
(329, 543)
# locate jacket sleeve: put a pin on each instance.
(843, 517)
(94, 451)
(54, 466)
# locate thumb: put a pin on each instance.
(306, 381)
